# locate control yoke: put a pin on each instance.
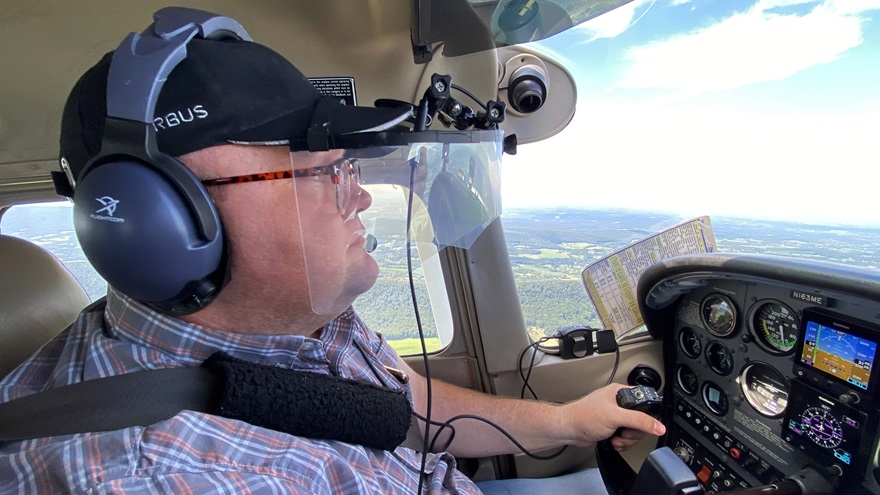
(664, 473)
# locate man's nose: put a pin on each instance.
(363, 199)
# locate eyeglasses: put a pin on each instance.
(342, 174)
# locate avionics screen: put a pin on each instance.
(819, 423)
(838, 353)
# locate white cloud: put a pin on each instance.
(746, 48)
(704, 160)
(769, 4)
(611, 24)
(854, 6)
(673, 154)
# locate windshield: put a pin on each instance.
(759, 114)
(767, 110)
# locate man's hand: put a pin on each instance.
(597, 416)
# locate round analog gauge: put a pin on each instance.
(719, 358)
(822, 428)
(715, 399)
(765, 389)
(718, 314)
(689, 342)
(775, 325)
(687, 379)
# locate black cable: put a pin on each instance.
(529, 374)
(617, 354)
(506, 434)
(614, 369)
(525, 377)
(412, 290)
(442, 426)
(422, 115)
(429, 446)
(448, 424)
(470, 95)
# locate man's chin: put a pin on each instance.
(361, 277)
(365, 277)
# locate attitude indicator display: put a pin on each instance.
(838, 353)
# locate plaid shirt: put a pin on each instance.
(200, 453)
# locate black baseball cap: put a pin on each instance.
(226, 91)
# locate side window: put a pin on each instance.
(50, 225)
(549, 248)
(388, 307)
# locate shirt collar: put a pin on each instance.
(189, 344)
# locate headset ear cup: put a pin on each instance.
(142, 235)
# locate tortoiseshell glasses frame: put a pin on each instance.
(341, 172)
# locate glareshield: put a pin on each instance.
(452, 191)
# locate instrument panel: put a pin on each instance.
(769, 368)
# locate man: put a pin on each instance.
(293, 262)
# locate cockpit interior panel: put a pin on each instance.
(771, 367)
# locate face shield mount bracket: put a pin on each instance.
(451, 175)
(437, 102)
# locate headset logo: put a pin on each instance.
(109, 207)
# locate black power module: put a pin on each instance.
(579, 341)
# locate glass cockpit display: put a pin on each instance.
(766, 382)
(838, 349)
(818, 423)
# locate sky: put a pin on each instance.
(750, 108)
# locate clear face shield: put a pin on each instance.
(449, 182)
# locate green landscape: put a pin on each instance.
(548, 250)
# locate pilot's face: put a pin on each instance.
(339, 268)
(292, 251)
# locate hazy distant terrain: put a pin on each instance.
(548, 249)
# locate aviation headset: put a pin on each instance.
(143, 219)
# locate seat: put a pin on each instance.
(39, 297)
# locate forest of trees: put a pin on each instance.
(387, 308)
(548, 251)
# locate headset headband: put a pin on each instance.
(142, 63)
